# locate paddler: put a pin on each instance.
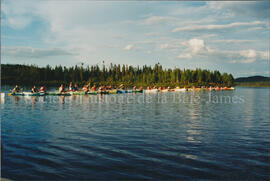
(102, 88)
(134, 87)
(75, 87)
(61, 88)
(71, 88)
(108, 87)
(42, 89)
(94, 88)
(122, 87)
(16, 89)
(85, 88)
(34, 89)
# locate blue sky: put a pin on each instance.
(228, 36)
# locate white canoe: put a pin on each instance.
(180, 90)
(151, 91)
(164, 90)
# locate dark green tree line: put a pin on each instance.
(112, 75)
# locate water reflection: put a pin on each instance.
(2, 98)
(61, 100)
(16, 99)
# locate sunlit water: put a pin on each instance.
(165, 136)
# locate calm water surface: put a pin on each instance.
(167, 136)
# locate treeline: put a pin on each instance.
(111, 75)
(253, 84)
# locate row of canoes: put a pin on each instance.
(188, 89)
(69, 93)
(115, 91)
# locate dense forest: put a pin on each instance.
(27, 75)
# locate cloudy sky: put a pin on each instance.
(231, 37)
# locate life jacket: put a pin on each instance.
(42, 89)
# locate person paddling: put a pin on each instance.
(102, 88)
(42, 89)
(134, 87)
(71, 88)
(75, 88)
(34, 89)
(61, 89)
(85, 88)
(16, 89)
(94, 88)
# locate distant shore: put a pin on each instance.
(252, 84)
(253, 81)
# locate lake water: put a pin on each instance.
(164, 136)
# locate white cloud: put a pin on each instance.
(196, 45)
(216, 26)
(197, 48)
(241, 56)
(128, 47)
(248, 53)
(185, 56)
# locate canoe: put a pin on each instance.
(64, 94)
(180, 90)
(129, 91)
(15, 94)
(52, 93)
(26, 94)
(121, 91)
(103, 92)
(151, 91)
(137, 91)
(230, 88)
(42, 93)
(58, 94)
(114, 91)
(164, 90)
(194, 89)
(78, 93)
